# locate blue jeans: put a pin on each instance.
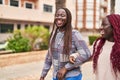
(79, 77)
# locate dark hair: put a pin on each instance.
(67, 33)
(114, 20)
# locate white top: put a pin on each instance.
(104, 67)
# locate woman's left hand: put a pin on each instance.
(61, 73)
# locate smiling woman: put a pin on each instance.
(64, 41)
(60, 18)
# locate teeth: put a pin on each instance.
(59, 21)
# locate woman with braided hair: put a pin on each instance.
(106, 64)
(106, 50)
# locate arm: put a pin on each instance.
(47, 66)
(82, 49)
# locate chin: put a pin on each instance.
(103, 36)
(59, 25)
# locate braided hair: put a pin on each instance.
(114, 20)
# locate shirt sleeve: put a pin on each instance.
(82, 49)
(47, 65)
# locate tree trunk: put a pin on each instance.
(76, 21)
(60, 3)
(112, 5)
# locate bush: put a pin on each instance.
(92, 38)
(17, 43)
(43, 46)
(38, 36)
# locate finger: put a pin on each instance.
(72, 60)
(59, 76)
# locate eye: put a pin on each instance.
(56, 15)
(63, 15)
(104, 24)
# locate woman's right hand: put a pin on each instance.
(41, 78)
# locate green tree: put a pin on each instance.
(112, 5)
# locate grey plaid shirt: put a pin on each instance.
(59, 60)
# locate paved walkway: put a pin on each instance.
(31, 71)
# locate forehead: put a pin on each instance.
(61, 11)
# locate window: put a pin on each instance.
(26, 25)
(1, 1)
(47, 8)
(18, 26)
(14, 3)
(28, 5)
(31, 25)
(5, 28)
(47, 26)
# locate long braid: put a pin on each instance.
(115, 54)
(97, 47)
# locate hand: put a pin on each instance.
(72, 59)
(41, 78)
(61, 73)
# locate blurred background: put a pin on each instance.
(20, 14)
(25, 26)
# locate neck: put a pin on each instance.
(61, 29)
(111, 39)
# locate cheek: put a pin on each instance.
(109, 33)
(65, 20)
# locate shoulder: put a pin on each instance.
(76, 33)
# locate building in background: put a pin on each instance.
(19, 14)
(90, 13)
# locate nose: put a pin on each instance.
(100, 28)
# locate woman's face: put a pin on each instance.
(106, 29)
(60, 18)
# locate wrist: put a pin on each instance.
(66, 68)
(42, 77)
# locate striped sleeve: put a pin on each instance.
(47, 65)
(82, 49)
